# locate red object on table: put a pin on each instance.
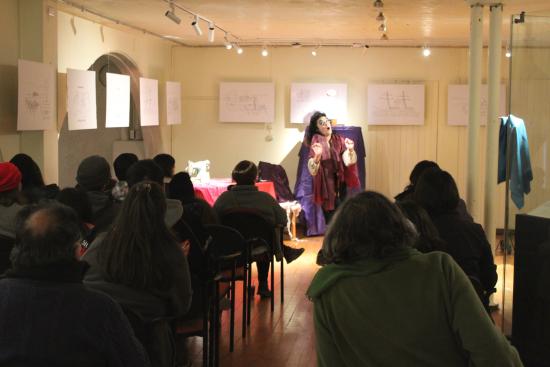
(212, 189)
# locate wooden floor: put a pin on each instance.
(282, 338)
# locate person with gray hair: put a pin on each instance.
(47, 316)
(379, 302)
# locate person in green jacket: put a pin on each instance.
(379, 302)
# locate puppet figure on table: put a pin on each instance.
(332, 163)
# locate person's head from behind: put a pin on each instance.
(318, 124)
(166, 162)
(144, 170)
(122, 163)
(419, 169)
(93, 173)
(436, 192)
(137, 248)
(367, 225)
(10, 183)
(30, 172)
(245, 173)
(428, 239)
(46, 234)
(78, 201)
(181, 188)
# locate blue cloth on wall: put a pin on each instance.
(512, 130)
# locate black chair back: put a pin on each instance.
(250, 224)
(224, 242)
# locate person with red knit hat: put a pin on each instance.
(10, 182)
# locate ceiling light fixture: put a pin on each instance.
(314, 51)
(264, 51)
(383, 27)
(426, 51)
(195, 24)
(171, 14)
(379, 4)
(211, 28)
(384, 37)
(380, 17)
(508, 53)
(239, 50)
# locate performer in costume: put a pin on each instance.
(332, 163)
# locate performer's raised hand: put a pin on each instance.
(349, 144)
(317, 150)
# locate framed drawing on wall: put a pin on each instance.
(395, 104)
(247, 102)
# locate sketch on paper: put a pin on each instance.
(81, 99)
(306, 98)
(148, 102)
(395, 104)
(118, 100)
(36, 96)
(173, 103)
(247, 102)
(457, 104)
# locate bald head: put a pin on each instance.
(45, 234)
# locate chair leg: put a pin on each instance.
(272, 282)
(282, 283)
(217, 328)
(205, 331)
(212, 331)
(245, 297)
(232, 319)
(250, 296)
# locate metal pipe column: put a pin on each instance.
(474, 104)
(493, 124)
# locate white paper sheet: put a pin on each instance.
(247, 102)
(457, 104)
(118, 100)
(81, 99)
(36, 105)
(306, 98)
(173, 103)
(395, 104)
(149, 101)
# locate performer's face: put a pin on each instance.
(324, 127)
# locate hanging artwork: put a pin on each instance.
(118, 100)
(81, 99)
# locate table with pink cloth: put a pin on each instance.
(212, 189)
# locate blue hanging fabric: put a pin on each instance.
(521, 175)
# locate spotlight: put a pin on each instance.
(211, 28)
(379, 4)
(195, 24)
(508, 53)
(426, 52)
(239, 50)
(380, 17)
(172, 15)
(382, 27)
(314, 52)
(384, 37)
(265, 52)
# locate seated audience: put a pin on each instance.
(380, 302)
(47, 316)
(428, 238)
(10, 183)
(245, 194)
(121, 165)
(33, 188)
(418, 170)
(167, 163)
(465, 241)
(79, 202)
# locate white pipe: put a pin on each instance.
(474, 103)
(491, 157)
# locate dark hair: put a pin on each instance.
(140, 251)
(31, 176)
(312, 128)
(166, 162)
(181, 188)
(45, 234)
(419, 169)
(144, 170)
(79, 201)
(367, 225)
(428, 236)
(436, 192)
(245, 173)
(122, 163)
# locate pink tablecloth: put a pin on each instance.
(212, 189)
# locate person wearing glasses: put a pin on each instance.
(332, 163)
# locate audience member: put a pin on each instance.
(121, 165)
(47, 317)
(79, 202)
(380, 302)
(33, 188)
(167, 163)
(428, 238)
(465, 241)
(10, 183)
(245, 194)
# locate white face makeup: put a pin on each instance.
(323, 124)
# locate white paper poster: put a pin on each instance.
(173, 103)
(457, 104)
(81, 99)
(149, 101)
(247, 102)
(395, 104)
(306, 98)
(36, 96)
(118, 100)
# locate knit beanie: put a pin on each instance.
(10, 177)
(93, 173)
